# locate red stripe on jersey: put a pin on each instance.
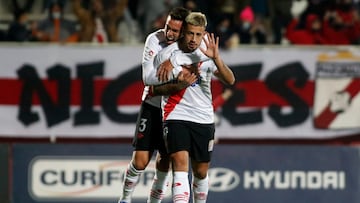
(172, 101)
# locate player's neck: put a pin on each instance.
(182, 46)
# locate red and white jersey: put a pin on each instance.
(155, 42)
(193, 103)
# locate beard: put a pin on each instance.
(192, 46)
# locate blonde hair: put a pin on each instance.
(196, 19)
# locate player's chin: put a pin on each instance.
(192, 45)
(170, 40)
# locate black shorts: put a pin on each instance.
(197, 139)
(148, 133)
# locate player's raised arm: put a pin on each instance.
(224, 73)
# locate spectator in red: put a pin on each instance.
(312, 33)
(342, 24)
(335, 29)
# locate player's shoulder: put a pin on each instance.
(173, 46)
(169, 49)
(157, 36)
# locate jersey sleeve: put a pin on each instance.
(165, 54)
(151, 49)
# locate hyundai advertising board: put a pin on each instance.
(63, 173)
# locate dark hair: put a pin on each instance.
(54, 3)
(18, 13)
(179, 13)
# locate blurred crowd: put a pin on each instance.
(306, 22)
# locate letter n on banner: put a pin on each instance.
(337, 91)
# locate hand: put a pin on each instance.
(186, 77)
(165, 70)
(193, 68)
(212, 45)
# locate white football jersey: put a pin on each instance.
(193, 103)
(154, 43)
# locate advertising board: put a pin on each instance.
(62, 173)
